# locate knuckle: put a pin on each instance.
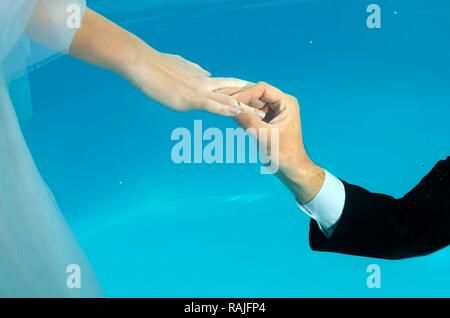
(262, 84)
(293, 99)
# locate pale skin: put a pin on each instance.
(297, 171)
(182, 86)
(169, 79)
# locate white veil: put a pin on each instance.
(37, 248)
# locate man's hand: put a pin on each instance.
(282, 112)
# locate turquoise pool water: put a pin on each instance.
(375, 107)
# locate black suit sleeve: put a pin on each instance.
(380, 226)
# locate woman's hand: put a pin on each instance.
(169, 79)
(182, 85)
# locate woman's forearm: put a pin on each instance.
(103, 43)
(169, 79)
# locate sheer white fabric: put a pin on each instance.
(32, 32)
(36, 244)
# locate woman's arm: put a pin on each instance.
(169, 79)
(105, 44)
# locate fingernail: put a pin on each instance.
(259, 113)
(235, 110)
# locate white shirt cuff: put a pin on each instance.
(327, 206)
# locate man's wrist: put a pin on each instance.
(305, 180)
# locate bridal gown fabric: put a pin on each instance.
(37, 248)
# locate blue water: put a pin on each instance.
(375, 108)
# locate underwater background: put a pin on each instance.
(375, 108)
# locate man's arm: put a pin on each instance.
(346, 218)
(378, 225)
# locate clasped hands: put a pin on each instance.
(182, 85)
